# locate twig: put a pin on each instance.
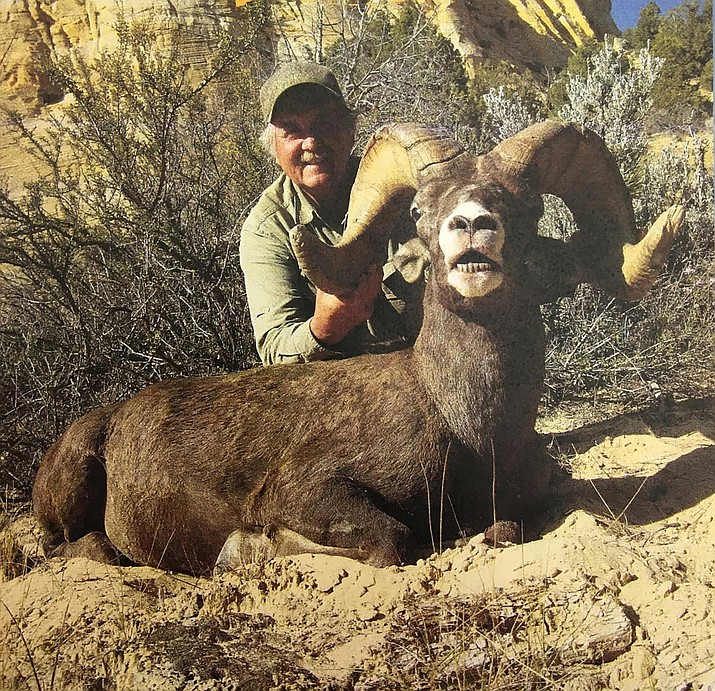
(25, 644)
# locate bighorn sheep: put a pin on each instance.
(369, 455)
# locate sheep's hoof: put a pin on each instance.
(95, 546)
(245, 546)
(502, 533)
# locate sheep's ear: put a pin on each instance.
(551, 270)
(411, 260)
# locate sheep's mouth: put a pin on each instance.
(473, 262)
(474, 275)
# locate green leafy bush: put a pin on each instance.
(683, 37)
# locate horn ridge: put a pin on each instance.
(573, 163)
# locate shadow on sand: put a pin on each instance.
(641, 499)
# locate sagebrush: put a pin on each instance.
(120, 262)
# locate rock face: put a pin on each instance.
(536, 34)
(31, 30)
(532, 33)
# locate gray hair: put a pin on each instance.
(267, 139)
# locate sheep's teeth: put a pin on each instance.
(473, 267)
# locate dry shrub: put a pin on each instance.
(119, 264)
(644, 353)
(500, 640)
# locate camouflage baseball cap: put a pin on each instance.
(294, 74)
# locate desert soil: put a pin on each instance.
(618, 593)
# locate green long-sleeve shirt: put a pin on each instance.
(281, 300)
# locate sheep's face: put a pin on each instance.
(465, 231)
(471, 239)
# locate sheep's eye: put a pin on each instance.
(415, 213)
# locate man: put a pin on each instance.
(310, 133)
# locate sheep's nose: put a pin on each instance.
(472, 224)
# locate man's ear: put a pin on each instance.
(411, 260)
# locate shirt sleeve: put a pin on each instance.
(280, 300)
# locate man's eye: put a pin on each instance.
(330, 125)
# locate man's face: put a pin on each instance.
(313, 138)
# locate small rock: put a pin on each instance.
(419, 587)
(590, 631)
(643, 663)
(367, 613)
(445, 565)
(325, 582)
(667, 588)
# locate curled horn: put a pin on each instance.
(397, 159)
(573, 163)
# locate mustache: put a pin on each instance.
(313, 157)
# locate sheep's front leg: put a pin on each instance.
(258, 545)
(335, 517)
(344, 514)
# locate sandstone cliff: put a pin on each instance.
(536, 34)
(33, 29)
(531, 33)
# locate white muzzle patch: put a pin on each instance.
(471, 239)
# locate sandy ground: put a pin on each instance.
(618, 593)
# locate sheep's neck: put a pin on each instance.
(485, 374)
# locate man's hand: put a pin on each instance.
(335, 316)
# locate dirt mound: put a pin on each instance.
(618, 593)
